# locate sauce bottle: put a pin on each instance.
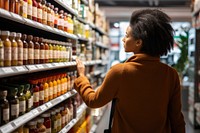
(27, 94)
(35, 93)
(41, 91)
(53, 122)
(6, 5)
(46, 90)
(30, 9)
(48, 5)
(36, 50)
(70, 28)
(1, 53)
(22, 100)
(34, 10)
(50, 53)
(7, 47)
(20, 49)
(25, 49)
(61, 20)
(55, 55)
(44, 12)
(14, 48)
(39, 11)
(65, 83)
(55, 87)
(30, 49)
(58, 85)
(40, 126)
(52, 15)
(32, 126)
(12, 6)
(46, 56)
(2, 4)
(68, 82)
(50, 88)
(63, 113)
(58, 117)
(17, 6)
(56, 18)
(65, 22)
(4, 108)
(23, 8)
(42, 50)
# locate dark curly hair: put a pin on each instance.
(153, 27)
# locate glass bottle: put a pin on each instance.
(56, 18)
(14, 47)
(6, 5)
(36, 50)
(65, 22)
(74, 107)
(14, 102)
(25, 49)
(58, 117)
(50, 53)
(27, 94)
(50, 88)
(20, 49)
(68, 81)
(48, 5)
(4, 108)
(23, 8)
(44, 12)
(46, 90)
(32, 126)
(35, 93)
(41, 91)
(65, 82)
(58, 85)
(7, 47)
(40, 126)
(61, 20)
(39, 11)
(62, 84)
(34, 10)
(12, 6)
(1, 53)
(30, 9)
(47, 121)
(2, 4)
(53, 122)
(58, 53)
(22, 100)
(55, 87)
(52, 15)
(70, 107)
(30, 50)
(17, 6)
(42, 50)
(63, 117)
(55, 55)
(46, 56)
(70, 28)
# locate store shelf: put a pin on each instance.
(82, 20)
(11, 126)
(17, 70)
(99, 44)
(82, 39)
(80, 111)
(100, 30)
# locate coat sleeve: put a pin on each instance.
(175, 115)
(105, 93)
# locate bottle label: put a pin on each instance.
(22, 106)
(35, 97)
(39, 13)
(50, 54)
(20, 53)
(63, 87)
(52, 18)
(30, 102)
(70, 27)
(30, 53)
(6, 114)
(37, 54)
(30, 9)
(34, 14)
(41, 95)
(66, 118)
(1, 53)
(25, 54)
(55, 54)
(59, 88)
(44, 15)
(46, 93)
(56, 20)
(55, 124)
(24, 8)
(46, 54)
(14, 53)
(65, 23)
(7, 53)
(49, 17)
(67, 54)
(14, 110)
(42, 52)
(59, 122)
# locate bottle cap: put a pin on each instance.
(5, 33)
(3, 93)
(13, 34)
(19, 35)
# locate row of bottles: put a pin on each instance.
(17, 49)
(17, 98)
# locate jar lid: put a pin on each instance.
(5, 33)
(19, 35)
(3, 93)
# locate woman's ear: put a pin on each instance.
(139, 42)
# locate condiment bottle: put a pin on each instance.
(50, 53)
(65, 22)
(68, 82)
(50, 88)
(4, 108)
(12, 6)
(53, 122)
(35, 93)
(61, 20)
(14, 102)
(36, 50)
(67, 115)
(41, 91)
(40, 126)
(7, 47)
(55, 54)
(30, 49)
(56, 18)
(46, 56)
(48, 5)
(32, 126)
(74, 107)
(70, 28)
(58, 117)
(30, 9)
(34, 10)
(65, 82)
(52, 15)
(47, 121)
(25, 49)
(44, 12)
(62, 84)
(14, 47)
(58, 53)
(22, 100)
(2, 4)
(1, 53)
(42, 50)
(27, 94)
(20, 48)
(23, 8)
(55, 87)
(46, 90)
(6, 5)
(70, 107)
(39, 11)
(17, 6)
(63, 114)
(58, 85)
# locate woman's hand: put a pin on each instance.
(80, 67)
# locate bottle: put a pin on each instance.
(36, 50)
(50, 53)
(30, 9)
(23, 8)
(49, 14)
(34, 10)
(46, 56)
(44, 12)
(4, 108)
(7, 47)
(55, 55)
(12, 6)
(62, 84)
(58, 117)
(53, 122)
(14, 102)
(68, 82)
(56, 18)
(27, 94)
(25, 49)
(61, 20)
(30, 50)
(2, 4)
(39, 11)
(46, 90)
(47, 121)
(70, 28)
(20, 49)
(1, 53)
(22, 100)
(14, 47)
(40, 126)
(65, 82)
(58, 85)
(74, 108)
(70, 107)
(50, 88)
(63, 114)
(55, 87)
(42, 50)
(41, 91)
(17, 6)
(52, 15)
(6, 5)
(35, 93)
(65, 22)
(58, 53)
(32, 126)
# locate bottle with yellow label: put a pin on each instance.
(14, 49)
(7, 47)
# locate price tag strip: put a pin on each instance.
(7, 70)
(32, 67)
(7, 128)
(20, 68)
(40, 66)
(17, 17)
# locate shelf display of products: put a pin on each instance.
(39, 42)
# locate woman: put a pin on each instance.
(147, 91)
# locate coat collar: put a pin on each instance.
(142, 57)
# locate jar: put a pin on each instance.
(40, 126)
(7, 47)
(30, 50)
(4, 108)
(20, 49)
(44, 12)
(32, 126)
(39, 11)
(34, 10)
(42, 50)
(25, 49)
(1, 53)
(36, 50)
(47, 121)
(14, 48)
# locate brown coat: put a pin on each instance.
(148, 96)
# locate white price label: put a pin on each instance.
(27, 116)
(30, 21)
(20, 68)
(40, 66)
(40, 25)
(67, 95)
(19, 121)
(62, 98)
(32, 67)
(35, 112)
(49, 65)
(6, 128)
(62, 64)
(49, 104)
(7, 70)
(43, 107)
(56, 64)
